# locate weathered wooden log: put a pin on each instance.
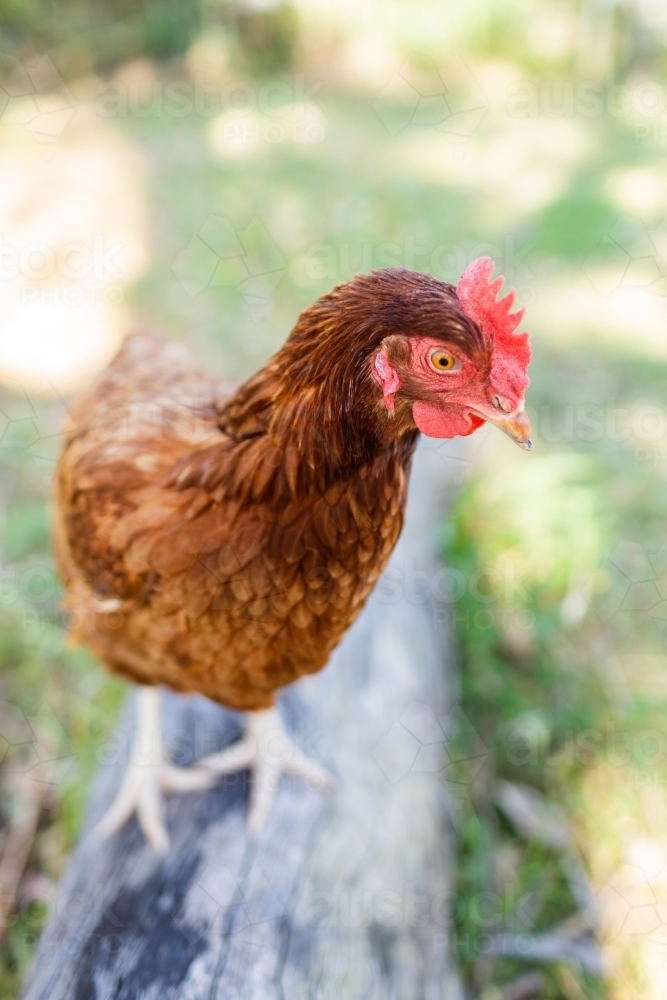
(344, 894)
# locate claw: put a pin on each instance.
(148, 778)
(269, 752)
(266, 749)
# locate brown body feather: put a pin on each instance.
(225, 545)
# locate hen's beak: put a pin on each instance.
(516, 425)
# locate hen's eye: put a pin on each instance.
(442, 361)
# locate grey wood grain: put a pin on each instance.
(344, 894)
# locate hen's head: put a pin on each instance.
(455, 359)
(389, 353)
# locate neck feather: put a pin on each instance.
(318, 401)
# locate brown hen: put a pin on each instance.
(223, 543)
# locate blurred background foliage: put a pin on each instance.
(223, 164)
(101, 36)
(265, 35)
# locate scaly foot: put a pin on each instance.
(148, 778)
(269, 752)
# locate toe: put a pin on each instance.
(266, 778)
(150, 817)
(121, 808)
(186, 779)
(234, 758)
(297, 763)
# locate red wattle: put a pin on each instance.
(438, 421)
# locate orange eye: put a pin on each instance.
(442, 361)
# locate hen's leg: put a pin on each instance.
(147, 777)
(269, 752)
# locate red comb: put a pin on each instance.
(478, 297)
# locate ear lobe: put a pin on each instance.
(386, 375)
